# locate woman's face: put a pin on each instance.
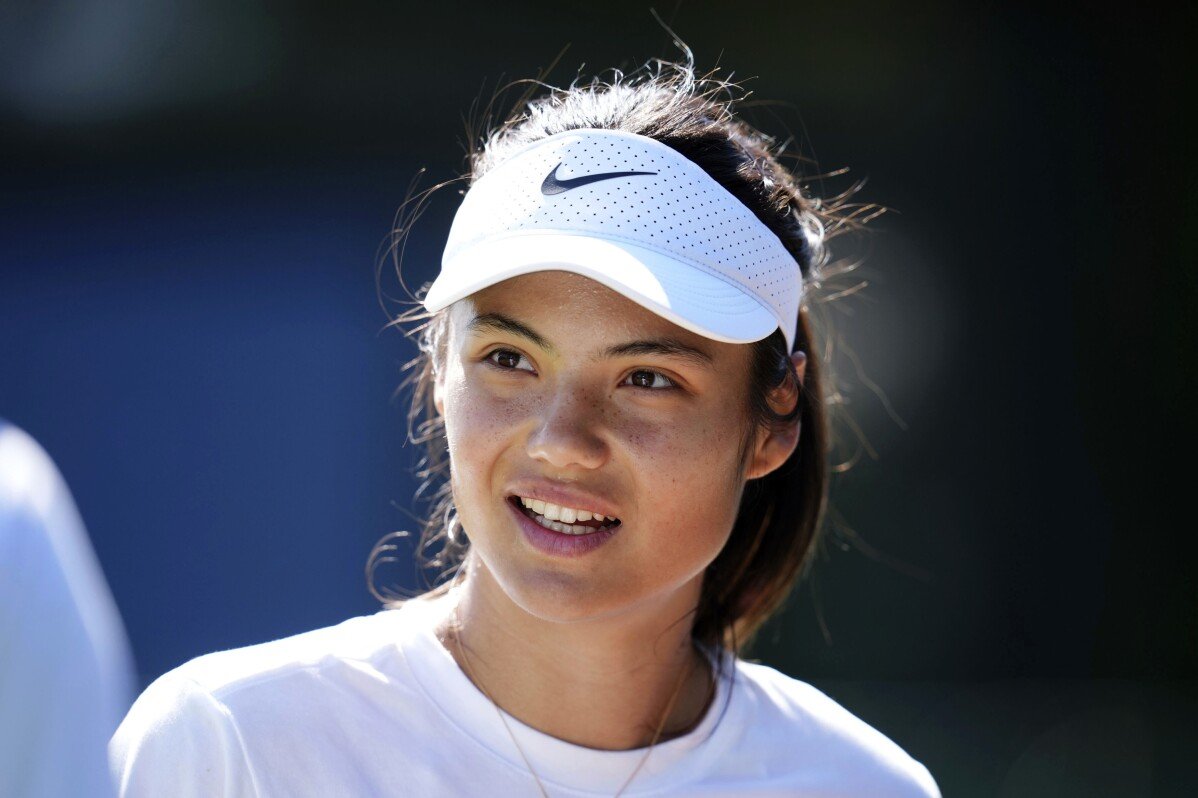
(555, 385)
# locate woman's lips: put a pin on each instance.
(564, 496)
(558, 544)
(539, 512)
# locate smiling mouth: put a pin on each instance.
(557, 522)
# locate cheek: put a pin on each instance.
(678, 445)
(688, 488)
(474, 416)
(480, 425)
(475, 428)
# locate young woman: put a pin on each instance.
(619, 375)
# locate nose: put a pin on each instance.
(568, 433)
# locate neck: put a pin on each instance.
(614, 684)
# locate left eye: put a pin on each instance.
(652, 380)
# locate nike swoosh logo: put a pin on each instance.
(553, 185)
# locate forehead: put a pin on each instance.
(568, 304)
(561, 289)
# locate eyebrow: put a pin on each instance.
(667, 347)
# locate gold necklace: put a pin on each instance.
(457, 639)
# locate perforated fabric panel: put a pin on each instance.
(671, 207)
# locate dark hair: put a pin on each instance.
(780, 514)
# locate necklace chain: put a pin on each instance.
(457, 639)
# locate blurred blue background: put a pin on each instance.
(194, 196)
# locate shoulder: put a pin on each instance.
(811, 732)
(30, 484)
(367, 641)
(177, 736)
(208, 722)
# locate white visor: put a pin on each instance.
(634, 215)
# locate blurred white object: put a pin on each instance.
(66, 671)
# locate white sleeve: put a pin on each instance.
(925, 785)
(66, 672)
(179, 740)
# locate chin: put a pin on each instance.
(561, 597)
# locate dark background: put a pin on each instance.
(194, 199)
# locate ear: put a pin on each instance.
(439, 391)
(774, 447)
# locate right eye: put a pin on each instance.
(505, 360)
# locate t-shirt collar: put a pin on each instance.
(557, 762)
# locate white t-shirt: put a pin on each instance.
(376, 706)
(66, 672)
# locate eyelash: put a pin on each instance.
(671, 385)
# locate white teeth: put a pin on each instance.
(563, 517)
(565, 529)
